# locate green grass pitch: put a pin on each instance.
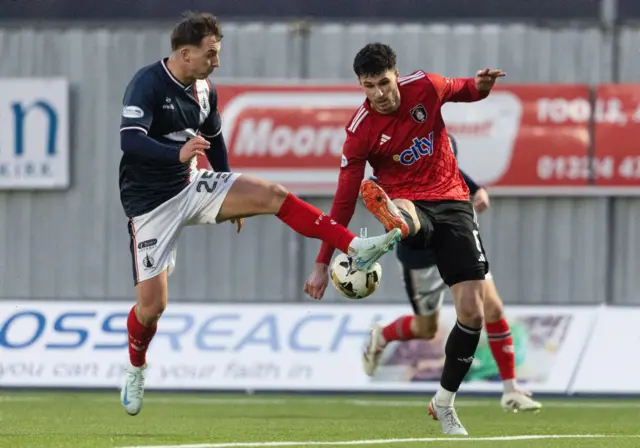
(89, 419)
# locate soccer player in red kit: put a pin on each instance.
(399, 130)
(426, 291)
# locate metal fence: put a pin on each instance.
(74, 244)
(425, 10)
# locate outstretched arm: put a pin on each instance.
(354, 161)
(465, 90)
(352, 167)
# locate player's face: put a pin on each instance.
(203, 60)
(382, 91)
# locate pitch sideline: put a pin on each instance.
(387, 441)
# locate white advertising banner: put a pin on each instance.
(34, 133)
(609, 364)
(251, 346)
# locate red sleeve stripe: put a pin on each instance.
(362, 112)
(411, 78)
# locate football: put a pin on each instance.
(351, 282)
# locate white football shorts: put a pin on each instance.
(154, 235)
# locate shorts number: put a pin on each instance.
(477, 238)
(210, 187)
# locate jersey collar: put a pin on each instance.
(173, 78)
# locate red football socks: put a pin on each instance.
(308, 221)
(399, 330)
(501, 343)
(139, 339)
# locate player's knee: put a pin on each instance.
(468, 298)
(152, 300)
(272, 198)
(152, 306)
(278, 194)
(493, 308)
(150, 312)
(472, 318)
(470, 311)
(425, 327)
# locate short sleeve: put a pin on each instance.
(138, 105)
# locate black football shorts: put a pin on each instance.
(450, 229)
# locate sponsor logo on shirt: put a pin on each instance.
(132, 112)
(421, 146)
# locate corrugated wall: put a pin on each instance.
(629, 43)
(625, 245)
(74, 244)
(527, 54)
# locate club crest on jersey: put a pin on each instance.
(420, 147)
(419, 113)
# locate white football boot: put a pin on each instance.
(369, 250)
(133, 389)
(373, 351)
(519, 400)
(448, 419)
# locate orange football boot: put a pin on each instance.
(378, 203)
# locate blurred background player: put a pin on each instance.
(426, 289)
(165, 105)
(399, 130)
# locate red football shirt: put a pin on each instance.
(408, 150)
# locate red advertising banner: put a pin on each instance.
(521, 140)
(532, 137)
(617, 135)
(289, 134)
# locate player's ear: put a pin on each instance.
(396, 72)
(185, 54)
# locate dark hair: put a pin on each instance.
(194, 27)
(374, 59)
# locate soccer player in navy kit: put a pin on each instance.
(169, 117)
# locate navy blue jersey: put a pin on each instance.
(157, 104)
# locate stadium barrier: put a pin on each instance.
(559, 350)
(522, 140)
